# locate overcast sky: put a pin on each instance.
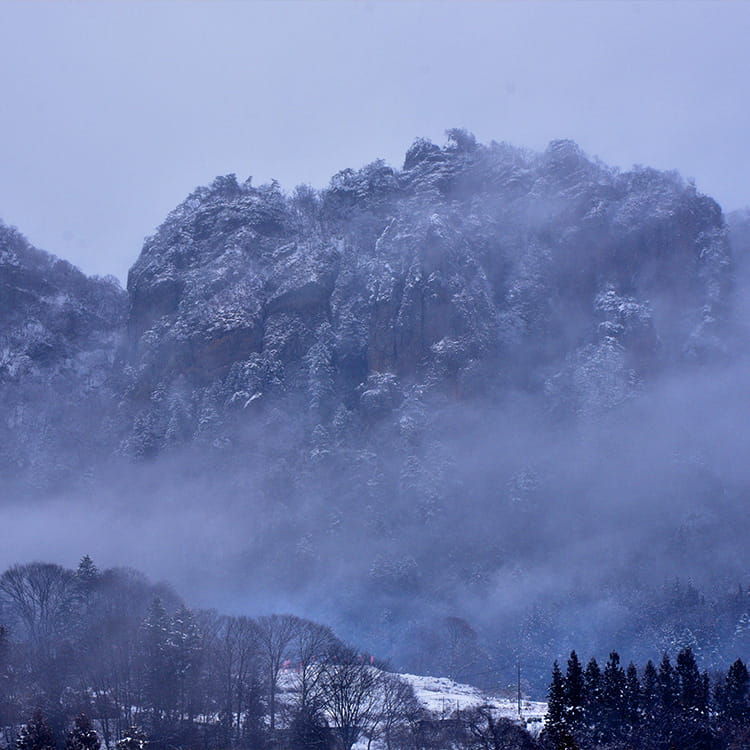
(112, 112)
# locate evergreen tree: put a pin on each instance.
(82, 736)
(690, 693)
(159, 677)
(705, 694)
(690, 721)
(649, 730)
(613, 696)
(574, 691)
(667, 688)
(132, 739)
(36, 735)
(733, 697)
(556, 733)
(649, 698)
(632, 696)
(185, 655)
(85, 581)
(87, 575)
(592, 680)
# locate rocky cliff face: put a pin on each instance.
(739, 233)
(473, 269)
(416, 392)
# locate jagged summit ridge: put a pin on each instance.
(472, 266)
(472, 271)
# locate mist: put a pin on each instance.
(296, 90)
(486, 407)
(531, 510)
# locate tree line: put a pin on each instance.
(669, 707)
(90, 657)
(94, 659)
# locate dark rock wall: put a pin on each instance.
(473, 264)
(473, 270)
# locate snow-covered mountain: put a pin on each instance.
(471, 271)
(415, 393)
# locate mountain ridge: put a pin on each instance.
(471, 260)
(421, 393)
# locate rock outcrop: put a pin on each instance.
(471, 272)
(473, 269)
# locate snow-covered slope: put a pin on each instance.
(442, 696)
(59, 333)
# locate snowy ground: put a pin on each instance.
(442, 696)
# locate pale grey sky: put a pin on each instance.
(112, 112)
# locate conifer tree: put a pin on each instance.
(185, 655)
(87, 575)
(159, 678)
(667, 688)
(689, 723)
(632, 696)
(574, 691)
(85, 581)
(648, 730)
(705, 695)
(733, 697)
(689, 688)
(574, 696)
(555, 726)
(132, 739)
(592, 681)
(613, 696)
(36, 735)
(649, 699)
(82, 736)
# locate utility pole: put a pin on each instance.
(518, 685)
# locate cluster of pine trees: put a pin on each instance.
(671, 706)
(36, 734)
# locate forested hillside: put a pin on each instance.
(90, 657)
(479, 407)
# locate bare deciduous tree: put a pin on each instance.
(352, 694)
(39, 596)
(312, 645)
(276, 634)
(399, 709)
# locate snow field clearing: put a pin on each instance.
(441, 696)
